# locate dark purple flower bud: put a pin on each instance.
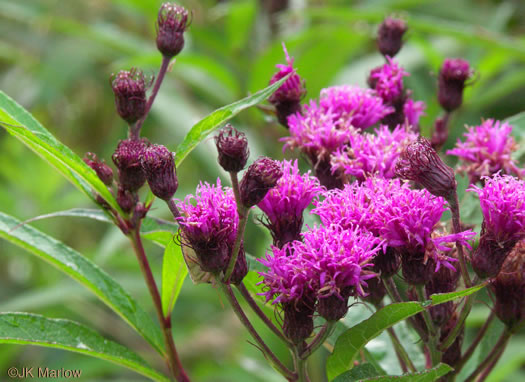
(387, 263)
(260, 177)
(127, 157)
(390, 36)
(130, 88)
(126, 200)
(445, 280)
(420, 163)
(232, 147)
(440, 136)
(104, 172)
(172, 21)
(452, 77)
(159, 168)
(375, 290)
(509, 288)
(298, 322)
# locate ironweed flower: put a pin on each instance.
(172, 21)
(287, 99)
(509, 288)
(422, 164)
(209, 223)
(502, 203)
(104, 172)
(451, 82)
(413, 110)
(284, 204)
(372, 154)
(129, 88)
(261, 176)
(487, 149)
(232, 147)
(387, 81)
(158, 165)
(127, 157)
(390, 36)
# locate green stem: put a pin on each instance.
(456, 224)
(173, 358)
(301, 365)
(264, 318)
(319, 339)
(492, 358)
(435, 354)
(269, 355)
(243, 219)
(451, 337)
(474, 344)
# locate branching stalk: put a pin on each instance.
(492, 358)
(319, 339)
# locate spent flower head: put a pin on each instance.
(451, 81)
(390, 36)
(232, 146)
(284, 204)
(487, 149)
(261, 176)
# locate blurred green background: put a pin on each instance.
(56, 58)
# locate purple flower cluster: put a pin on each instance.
(293, 87)
(284, 204)
(387, 80)
(329, 262)
(372, 154)
(209, 224)
(487, 150)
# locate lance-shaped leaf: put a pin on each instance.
(85, 272)
(174, 273)
(429, 375)
(33, 329)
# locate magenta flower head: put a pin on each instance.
(172, 21)
(422, 164)
(390, 36)
(104, 172)
(413, 110)
(372, 154)
(159, 167)
(130, 88)
(409, 221)
(287, 99)
(451, 82)
(284, 204)
(502, 203)
(260, 177)
(209, 223)
(487, 150)
(387, 81)
(127, 157)
(352, 105)
(232, 147)
(509, 288)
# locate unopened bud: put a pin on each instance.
(298, 322)
(440, 136)
(104, 172)
(130, 88)
(422, 164)
(232, 147)
(260, 177)
(172, 21)
(127, 158)
(452, 77)
(159, 168)
(126, 200)
(390, 36)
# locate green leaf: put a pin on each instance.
(349, 344)
(174, 273)
(33, 329)
(85, 272)
(429, 375)
(358, 373)
(205, 126)
(20, 123)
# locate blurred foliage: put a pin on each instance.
(56, 58)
